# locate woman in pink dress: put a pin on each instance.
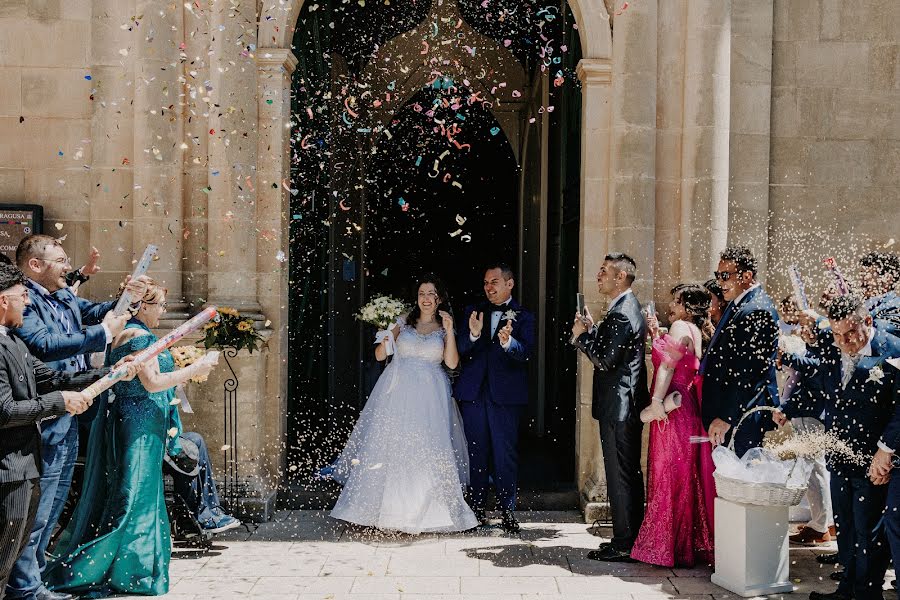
(677, 528)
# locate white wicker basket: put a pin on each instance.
(763, 494)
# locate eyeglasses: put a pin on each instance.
(163, 305)
(431, 295)
(23, 296)
(725, 275)
(59, 261)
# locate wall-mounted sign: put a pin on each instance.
(17, 221)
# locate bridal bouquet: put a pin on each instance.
(382, 311)
(187, 355)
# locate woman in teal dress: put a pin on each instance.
(118, 541)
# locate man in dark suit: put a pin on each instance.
(879, 273)
(738, 367)
(60, 329)
(28, 394)
(859, 398)
(495, 345)
(616, 349)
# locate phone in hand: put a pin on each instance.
(579, 299)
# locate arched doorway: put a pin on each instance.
(352, 156)
(450, 216)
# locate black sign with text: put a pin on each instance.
(17, 221)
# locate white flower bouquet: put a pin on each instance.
(382, 311)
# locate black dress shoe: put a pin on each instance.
(831, 596)
(509, 522)
(48, 595)
(837, 576)
(827, 559)
(609, 553)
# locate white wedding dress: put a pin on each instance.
(406, 462)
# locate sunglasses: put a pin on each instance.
(725, 275)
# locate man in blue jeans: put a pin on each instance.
(195, 485)
(59, 329)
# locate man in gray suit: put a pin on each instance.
(28, 394)
(616, 349)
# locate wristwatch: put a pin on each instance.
(76, 276)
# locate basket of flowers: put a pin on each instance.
(776, 474)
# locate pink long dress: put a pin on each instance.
(677, 528)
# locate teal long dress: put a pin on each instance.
(119, 539)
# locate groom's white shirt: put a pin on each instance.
(495, 322)
(617, 298)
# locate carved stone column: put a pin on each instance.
(157, 154)
(232, 138)
(705, 140)
(274, 68)
(596, 79)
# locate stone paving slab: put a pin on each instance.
(306, 555)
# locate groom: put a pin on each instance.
(495, 345)
(616, 349)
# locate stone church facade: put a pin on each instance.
(703, 122)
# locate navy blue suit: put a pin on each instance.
(738, 368)
(46, 338)
(492, 392)
(859, 414)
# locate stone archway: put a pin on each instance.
(275, 62)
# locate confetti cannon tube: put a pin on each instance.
(839, 281)
(798, 287)
(141, 269)
(167, 341)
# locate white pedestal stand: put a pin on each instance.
(751, 549)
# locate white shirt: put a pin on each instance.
(4, 330)
(747, 291)
(495, 322)
(617, 298)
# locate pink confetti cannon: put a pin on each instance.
(167, 341)
(839, 281)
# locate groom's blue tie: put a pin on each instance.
(726, 316)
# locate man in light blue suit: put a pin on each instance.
(59, 329)
(879, 273)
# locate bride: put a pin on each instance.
(406, 463)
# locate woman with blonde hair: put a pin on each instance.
(119, 540)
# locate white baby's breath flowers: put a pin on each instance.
(509, 315)
(381, 311)
(792, 344)
(815, 444)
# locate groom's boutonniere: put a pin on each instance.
(876, 374)
(509, 315)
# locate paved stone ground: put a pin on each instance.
(305, 555)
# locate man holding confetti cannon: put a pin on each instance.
(61, 329)
(29, 393)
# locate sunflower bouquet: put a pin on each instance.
(230, 330)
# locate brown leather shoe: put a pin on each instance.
(807, 536)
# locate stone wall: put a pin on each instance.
(835, 141)
(45, 114)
